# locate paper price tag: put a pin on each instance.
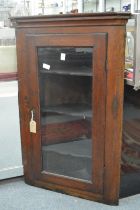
(63, 57)
(46, 66)
(33, 126)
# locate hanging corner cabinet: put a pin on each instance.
(71, 77)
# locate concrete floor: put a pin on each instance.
(16, 195)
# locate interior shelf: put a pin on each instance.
(74, 156)
(59, 118)
(81, 148)
(70, 109)
(84, 71)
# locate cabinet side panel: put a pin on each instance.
(114, 109)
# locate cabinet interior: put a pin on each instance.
(66, 110)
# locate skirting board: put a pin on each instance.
(10, 172)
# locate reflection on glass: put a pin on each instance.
(90, 6)
(129, 50)
(66, 117)
(112, 6)
(7, 50)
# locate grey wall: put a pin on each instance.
(10, 147)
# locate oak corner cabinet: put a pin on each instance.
(71, 76)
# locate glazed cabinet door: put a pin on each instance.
(67, 92)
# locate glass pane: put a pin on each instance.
(7, 51)
(129, 51)
(90, 6)
(112, 5)
(66, 112)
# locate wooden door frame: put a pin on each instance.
(99, 43)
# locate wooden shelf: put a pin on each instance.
(72, 72)
(59, 118)
(70, 109)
